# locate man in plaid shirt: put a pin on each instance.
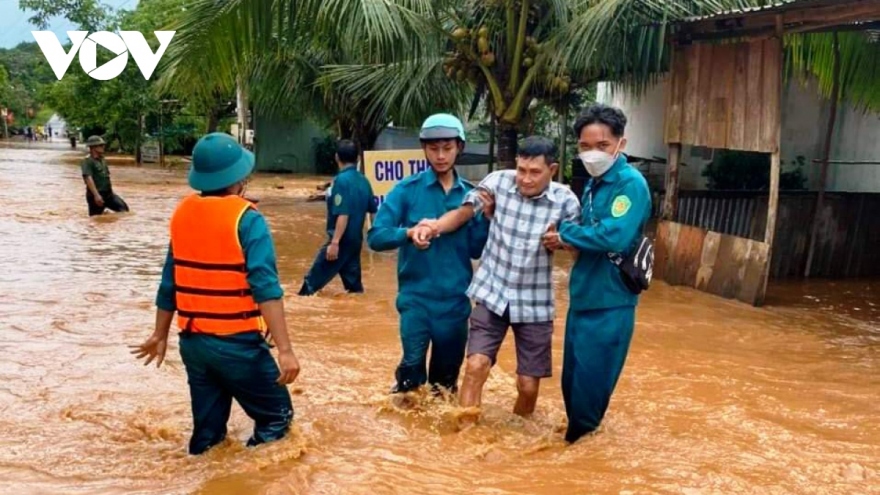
(513, 286)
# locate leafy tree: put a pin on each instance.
(515, 53)
(90, 15)
(4, 86)
(27, 73)
(360, 64)
(127, 108)
(293, 50)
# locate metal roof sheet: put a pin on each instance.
(778, 4)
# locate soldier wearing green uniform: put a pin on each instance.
(96, 175)
(601, 315)
(349, 200)
(432, 279)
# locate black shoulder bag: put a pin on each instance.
(637, 268)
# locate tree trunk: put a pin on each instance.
(213, 120)
(563, 145)
(506, 146)
(345, 129)
(137, 142)
(242, 112)
(492, 129)
(826, 155)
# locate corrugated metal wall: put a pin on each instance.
(848, 244)
(285, 145)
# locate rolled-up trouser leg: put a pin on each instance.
(248, 371)
(211, 402)
(596, 346)
(320, 274)
(448, 341)
(415, 335)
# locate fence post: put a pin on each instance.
(775, 164)
(670, 200)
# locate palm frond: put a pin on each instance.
(812, 56)
(408, 91)
(215, 41)
(625, 40)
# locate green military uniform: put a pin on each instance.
(601, 315)
(98, 170)
(352, 195)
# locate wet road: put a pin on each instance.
(717, 397)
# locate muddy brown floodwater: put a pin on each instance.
(717, 397)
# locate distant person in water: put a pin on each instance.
(349, 200)
(221, 278)
(96, 175)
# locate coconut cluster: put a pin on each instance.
(473, 49)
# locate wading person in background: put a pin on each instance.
(349, 200)
(513, 286)
(96, 174)
(601, 315)
(220, 277)
(432, 280)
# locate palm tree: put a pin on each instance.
(285, 54)
(516, 52)
(362, 63)
(499, 50)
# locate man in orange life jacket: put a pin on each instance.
(220, 277)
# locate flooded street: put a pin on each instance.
(716, 397)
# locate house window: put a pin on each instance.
(702, 152)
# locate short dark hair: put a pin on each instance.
(613, 117)
(347, 151)
(535, 146)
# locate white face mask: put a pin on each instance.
(598, 162)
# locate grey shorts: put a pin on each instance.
(533, 341)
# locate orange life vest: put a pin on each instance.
(210, 277)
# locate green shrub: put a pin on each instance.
(746, 170)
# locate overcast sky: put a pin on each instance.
(15, 28)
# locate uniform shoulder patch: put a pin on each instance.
(337, 199)
(620, 206)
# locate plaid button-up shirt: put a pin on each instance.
(516, 271)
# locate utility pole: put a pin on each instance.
(241, 104)
(162, 131)
(161, 138)
(3, 113)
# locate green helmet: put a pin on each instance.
(95, 141)
(218, 161)
(442, 126)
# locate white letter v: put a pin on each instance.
(54, 52)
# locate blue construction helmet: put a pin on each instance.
(442, 126)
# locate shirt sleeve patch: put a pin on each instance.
(620, 206)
